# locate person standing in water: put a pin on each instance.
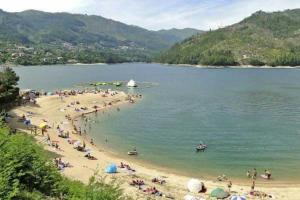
(248, 174)
(268, 174)
(254, 174)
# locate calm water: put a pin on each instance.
(248, 117)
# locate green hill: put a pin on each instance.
(103, 38)
(261, 39)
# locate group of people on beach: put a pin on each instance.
(126, 166)
(60, 164)
(267, 174)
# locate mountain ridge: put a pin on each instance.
(109, 40)
(264, 38)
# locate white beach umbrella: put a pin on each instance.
(194, 185)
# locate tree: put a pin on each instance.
(9, 78)
(9, 92)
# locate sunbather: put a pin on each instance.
(160, 181)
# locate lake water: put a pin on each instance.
(248, 117)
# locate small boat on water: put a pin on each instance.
(201, 147)
(131, 83)
(132, 153)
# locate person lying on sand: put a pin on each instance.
(137, 183)
(64, 135)
(261, 195)
(122, 165)
(80, 148)
(153, 191)
(90, 157)
(160, 181)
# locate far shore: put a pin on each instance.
(53, 111)
(182, 65)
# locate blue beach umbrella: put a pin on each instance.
(238, 198)
(111, 169)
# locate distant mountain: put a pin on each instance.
(85, 32)
(177, 35)
(261, 39)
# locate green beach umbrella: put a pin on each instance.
(219, 193)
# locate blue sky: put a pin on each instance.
(159, 14)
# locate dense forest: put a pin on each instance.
(262, 39)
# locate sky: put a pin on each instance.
(159, 14)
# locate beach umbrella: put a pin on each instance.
(238, 198)
(194, 185)
(43, 125)
(219, 193)
(111, 169)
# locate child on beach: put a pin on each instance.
(253, 186)
(229, 186)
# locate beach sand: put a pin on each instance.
(53, 109)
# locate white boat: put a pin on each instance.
(132, 153)
(131, 83)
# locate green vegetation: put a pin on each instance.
(261, 39)
(33, 37)
(27, 173)
(9, 91)
(26, 169)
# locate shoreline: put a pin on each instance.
(175, 182)
(166, 64)
(231, 67)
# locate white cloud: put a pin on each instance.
(45, 5)
(158, 14)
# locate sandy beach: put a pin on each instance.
(53, 110)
